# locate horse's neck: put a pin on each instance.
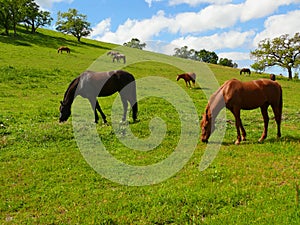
(216, 103)
(70, 93)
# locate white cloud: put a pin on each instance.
(149, 2)
(210, 18)
(231, 39)
(252, 9)
(197, 2)
(235, 56)
(278, 25)
(136, 29)
(48, 3)
(101, 28)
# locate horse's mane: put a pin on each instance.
(70, 92)
(216, 103)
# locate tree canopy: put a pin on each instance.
(72, 22)
(14, 12)
(283, 51)
(135, 43)
(203, 56)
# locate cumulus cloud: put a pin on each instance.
(278, 25)
(48, 3)
(235, 56)
(231, 39)
(197, 2)
(252, 10)
(190, 25)
(136, 28)
(149, 2)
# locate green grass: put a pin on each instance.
(45, 179)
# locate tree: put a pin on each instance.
(183, 52)
(258, 67)
(14, 11)
(72, 22)
(135, 43)
(207, 56)
(227, 62)
(281, 51)
(35, 17)
(5, 16)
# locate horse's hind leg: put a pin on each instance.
(277, 114)
(264, 112)
(125, 106)
(239, 126)
(101, 112)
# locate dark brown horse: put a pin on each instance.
(187, 78)
(272, 77)
(63, 48)
(91, 85)
(236, 95)
(245, 71)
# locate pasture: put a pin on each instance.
(46, 180)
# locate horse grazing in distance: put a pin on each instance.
(236, 95)
(91, 85)
(118, 57)
(272, 77)
(187, 78)
(112, 53)
(245, 71)
(63, 48)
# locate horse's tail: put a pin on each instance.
(280, 102)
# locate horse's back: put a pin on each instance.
(252, 94)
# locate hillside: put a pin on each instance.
(46, 177)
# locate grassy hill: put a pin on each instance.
(45, 179)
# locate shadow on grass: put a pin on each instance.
(26, 38)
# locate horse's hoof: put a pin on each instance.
(237, 142)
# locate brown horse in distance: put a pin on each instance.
(245, 71)
(187, 78)
(272, 77)
(63, 48)
(236, 95)
(92, 84)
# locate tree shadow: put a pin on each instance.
(26, 38)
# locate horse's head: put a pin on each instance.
(207, 126)
(178, 77)
(65, 112)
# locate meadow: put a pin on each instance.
(45, 178)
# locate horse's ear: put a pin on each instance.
(61, 102)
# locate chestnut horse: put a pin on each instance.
(91, 85)
(245, 70)
(63, 48)
(236, 95)
(187, 78)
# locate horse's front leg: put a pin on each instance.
(101, 112)
(264, 112)
(239, 126)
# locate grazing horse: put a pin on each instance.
(63, 48)
(118, 57)
(245, 70)
(100, 84)
(236, 95)
(187, 78)
(272, 77)
(112, 53)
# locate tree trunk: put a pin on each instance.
(290, 73)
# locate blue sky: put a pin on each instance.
(231, 28)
